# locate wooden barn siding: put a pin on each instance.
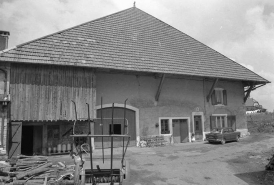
(43, 92)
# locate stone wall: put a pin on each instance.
(178, 98)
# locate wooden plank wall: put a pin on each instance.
(44, 92)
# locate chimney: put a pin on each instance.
(4, 37)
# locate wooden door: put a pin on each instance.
(176, 131)
(118, 122)
(15, 139)
(184, 130)
(180, 130)
(198, 127)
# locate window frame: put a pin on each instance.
(115, 125)
(171, 125)
(223, 98)
(216, 121)
(5, 82)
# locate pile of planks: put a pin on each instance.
(31, 170)
(270, 165)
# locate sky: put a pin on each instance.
(242, 30)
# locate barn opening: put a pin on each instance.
(31, 140)
(118, 125)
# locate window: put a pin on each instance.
(3, 77)
(117, 129)
(222, 120)
(219, 97)
(165, 126)
(218, 121)
(53, 132)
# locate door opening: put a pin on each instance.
(27, 140)
(32, 140)
(180, 130)
(198, 129)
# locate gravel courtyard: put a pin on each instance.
(200, 163)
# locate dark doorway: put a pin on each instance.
(37, 140)
(117, 129)
(27, 140)
(198, 130)
(32, 140)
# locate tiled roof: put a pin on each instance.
(130, 40)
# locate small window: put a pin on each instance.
(219, 97)
(165, 126)
(53, 132)
(2, 82)
(117, 129)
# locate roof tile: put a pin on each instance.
(130, 40)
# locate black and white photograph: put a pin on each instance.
(136, 92)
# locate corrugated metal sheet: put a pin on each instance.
(43, 92)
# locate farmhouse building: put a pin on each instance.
(253, 106)
(174, 84)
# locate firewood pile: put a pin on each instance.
(152, 141)
(270, 165)
(31, 170)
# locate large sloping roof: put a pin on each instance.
(130, 40)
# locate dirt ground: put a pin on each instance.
(201, 163)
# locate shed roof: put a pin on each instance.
(130, 40)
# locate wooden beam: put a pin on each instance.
(211, 90)
(248, 92)
(160, 88)
(255, 87)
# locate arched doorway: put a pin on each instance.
(118, 121)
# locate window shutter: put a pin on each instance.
(225, 97)
(212, 122)
(213, 98)
(231, 121)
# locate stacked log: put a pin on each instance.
(31, 170)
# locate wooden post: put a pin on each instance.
(212, 89)
(248, 92)
(160, 88)
(45, 140)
